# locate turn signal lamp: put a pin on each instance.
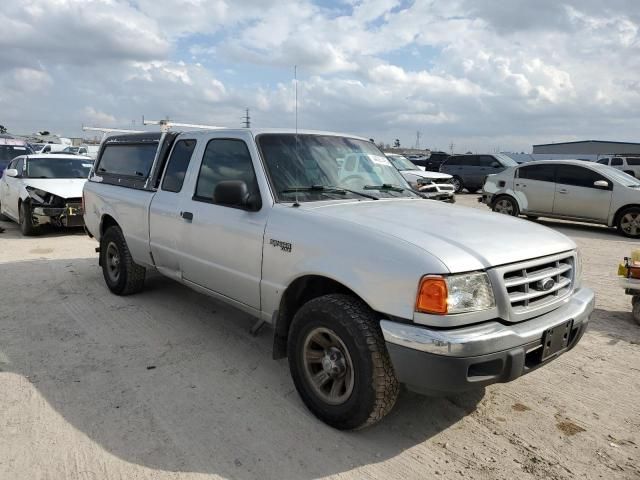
(432, 295)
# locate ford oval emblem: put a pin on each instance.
(546, 284)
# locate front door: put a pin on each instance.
(222, 245)
(535, 188)
(577, 196)
(11, 189)
(165, 221)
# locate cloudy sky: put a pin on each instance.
(482, 74)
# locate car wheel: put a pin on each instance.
(636, 309)
(506, 205)
(629, 222)
(457, 184)
(122, 275)
(26, 220)
(532, 217)
(339, 362)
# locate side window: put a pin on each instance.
(129, 160)
(577, 176)
(487, 160)
(12, 164)
(633, 161)
(471, 161)
(177, 165)
(225, 159)
(616, 162)
(20, 166)
(543, 173)
(452, 161)
(604, 161)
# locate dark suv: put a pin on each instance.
(469, 171)
(432, 162)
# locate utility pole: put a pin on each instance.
(451, 145)
(247, 119)
(418, 134)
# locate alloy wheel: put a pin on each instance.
(328, 366)
(504, 206)
(113, 262)
(630, 224)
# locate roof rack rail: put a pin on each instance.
(166, 125)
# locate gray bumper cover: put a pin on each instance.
(488, 337)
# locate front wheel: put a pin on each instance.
(629, 222)
(457, 184)
(122, 275)
(636, 308)
(27, 226)
(506, 205)
(339, 362)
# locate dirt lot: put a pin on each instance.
(170, 384)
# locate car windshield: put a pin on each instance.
(58, 168)
(402, 163)
(316, 167)
(622, 178)
(506, 160)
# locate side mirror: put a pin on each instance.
(11, 172)
(235, 193)
(601, 184)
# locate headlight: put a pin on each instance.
(470, 292)
(37, 194)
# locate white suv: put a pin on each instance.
(630, 165)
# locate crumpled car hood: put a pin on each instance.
(62, 187)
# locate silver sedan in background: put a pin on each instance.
(570, 190)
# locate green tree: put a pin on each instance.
(3, 129)
(396, 143)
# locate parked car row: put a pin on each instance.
(630, 165)
(567, 189)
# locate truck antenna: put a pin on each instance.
(295, 82)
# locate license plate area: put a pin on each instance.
(556, 339)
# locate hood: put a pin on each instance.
(463, 238)
(62, 187)
(427, 174)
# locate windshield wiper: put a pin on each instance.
(327, 189)
(385, 187)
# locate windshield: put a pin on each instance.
(296, 162)
(621, 177)
(58, 168)
(402, 163)
(506, 160)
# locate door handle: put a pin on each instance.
(563, 191)
(186, 215)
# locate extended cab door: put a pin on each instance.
(221, 245)
(535, 187)
(577, 196)
(165, 221)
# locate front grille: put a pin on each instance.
(442, 181)
(538, 284)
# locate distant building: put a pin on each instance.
(587, 147)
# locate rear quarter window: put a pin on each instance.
(129, 160)
(633, 161)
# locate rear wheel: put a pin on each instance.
(629, 222)
(122, 275)
(27, 226)
(506, 205)
(339, 362)
(457, 184)
(532, 217)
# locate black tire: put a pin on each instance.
(122, 275)
(532, 217)
(374, 387)
(506, 205)
(628, 222)
(457, 183)
(27, 227)
(636, 311)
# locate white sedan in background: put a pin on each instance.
(434, 184)
(44, 189)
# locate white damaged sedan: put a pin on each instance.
(44, 189)
(434, 185)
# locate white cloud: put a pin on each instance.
(475, 72)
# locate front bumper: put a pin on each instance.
(436, 361)
(67, 216)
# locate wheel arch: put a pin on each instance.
(508, 195)
(619, 212)
(299, 292)
(107, 221)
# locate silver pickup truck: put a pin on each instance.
(367, 285)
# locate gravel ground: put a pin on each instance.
(170, 384)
